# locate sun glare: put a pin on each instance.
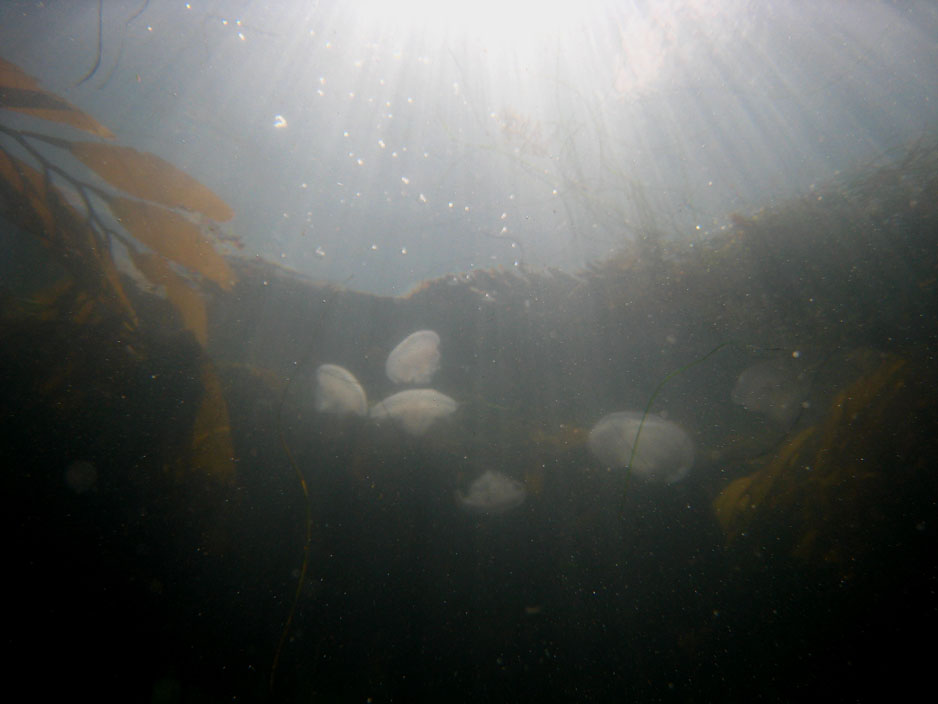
(508, 25)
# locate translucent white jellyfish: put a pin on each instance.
(492, 493)
(665, 452)
(776, 388)
(338, 391)
(416, 359)
(414, 410)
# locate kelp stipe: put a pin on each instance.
(308, 540)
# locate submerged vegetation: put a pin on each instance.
(141, 227)
(137, 344)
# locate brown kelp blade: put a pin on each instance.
(212, 446)
(147, 176)
(21, 92)
(114, 292)
(173, 236)
(180, 292)
(45, 213)
(29, 189)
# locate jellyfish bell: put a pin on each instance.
(415, 359)
(492, 493)
(415, 410)
(338, 391)
(664, 454)
(776, 388)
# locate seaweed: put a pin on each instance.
(156, 215)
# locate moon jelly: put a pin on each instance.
(665, 452)
(416, 359)
(492, 493)
(338, 391)
(415, 409)
(774, 388)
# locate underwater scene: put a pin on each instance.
(540, 409)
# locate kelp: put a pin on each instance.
(34, 211)
(21, 92)
(149, 177)
(43, 211)
(161, 217)
(159, 207)
(212, 451)
(185, 299)
(174, 237)
(831, 485)
(738, 502)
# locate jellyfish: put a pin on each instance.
(415, 409)
(664, 454)
(492, 493)
(416, 359)
(774, 388)
(338, 391)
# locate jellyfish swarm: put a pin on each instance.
(664, 453)
(492, 493)
(415, 410)
(415, 360)
(774, 388)
(338, 391)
